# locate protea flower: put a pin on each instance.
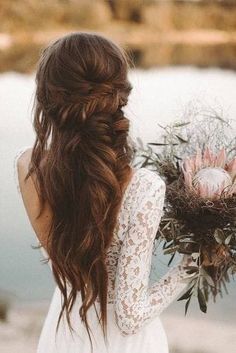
(210, 176)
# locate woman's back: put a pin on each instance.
(143, 181)
(133, 306)
(98, 237)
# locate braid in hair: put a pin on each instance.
(78, 115)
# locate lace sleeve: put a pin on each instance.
(135, 302)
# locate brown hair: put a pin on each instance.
(81, 158)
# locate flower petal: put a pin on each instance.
(192, 165)
(231, 168)
(188, 179)
(220, 158)
(198, 160)
(207, 158)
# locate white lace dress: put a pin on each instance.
(134, 306)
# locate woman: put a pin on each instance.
(93, 213)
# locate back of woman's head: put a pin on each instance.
(81, 158)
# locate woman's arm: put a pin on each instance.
(136, 303)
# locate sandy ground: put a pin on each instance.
(199, 336)
(20, 334)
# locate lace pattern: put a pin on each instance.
(130, 253)
(135, 302)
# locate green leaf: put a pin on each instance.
(201, 301)
(187, 294)
(225, 287)
(139, 140)
(172, 227)
(157, 144)
(180, 159)
(167, 246)
(205, 290)
(166, 225)
(226, 277)
(171, 259)
(227, 240)
(192, 270)
(188, 241)
(171, 250)
(195, 255)
(187, 305)
(181, 139)
(180, 124)
(163, 127)
(162, 234)
(157, 155)
(207, 277)
(183, 236)
(219, 236)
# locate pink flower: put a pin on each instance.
(210, 175)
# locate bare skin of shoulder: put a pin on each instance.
(31, 200)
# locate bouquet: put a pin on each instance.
(197, 159)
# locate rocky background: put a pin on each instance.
(155, 32)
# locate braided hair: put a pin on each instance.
(81, 157)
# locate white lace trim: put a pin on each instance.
(130, 253)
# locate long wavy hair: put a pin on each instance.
(81, 158)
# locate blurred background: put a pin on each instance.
(184, 56)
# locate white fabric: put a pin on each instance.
(134, 306)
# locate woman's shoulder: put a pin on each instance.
(147, 184)
(23, 154)
(148, 187)
(150, 178)
(21, 161)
